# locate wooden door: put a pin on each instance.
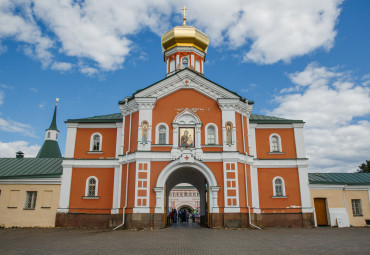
(320, 209)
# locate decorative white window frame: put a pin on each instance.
(282, 187)
(279, 143)
(87, 188)
(157, 133)
(185, 57)
(190, 119)
(195, 65)
(206, 133)
(172, 68)
(92, 142)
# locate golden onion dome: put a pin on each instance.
(187, 36)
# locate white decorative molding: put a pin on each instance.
(184, 49)
(206, 133)
(157, 133)
(279, 143)
(175, 82)
(299, 141)
(32, 181)
(91, 163)
(92, 142)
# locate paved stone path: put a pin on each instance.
(186, 239)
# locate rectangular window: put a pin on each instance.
(30, 200)
(356, 207)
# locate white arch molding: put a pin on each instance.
(202, 168)
(185, 204)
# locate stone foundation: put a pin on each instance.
(156, 220)
(283, 220)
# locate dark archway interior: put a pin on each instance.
(191, 176)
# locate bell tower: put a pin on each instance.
(184, 47)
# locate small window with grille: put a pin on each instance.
(96, 141)
(211, 133)
(275, 144)
(278, 187)
(162, 135)
(356, 207)
(31, 197)
(91, 191)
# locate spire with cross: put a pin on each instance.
(184, 18)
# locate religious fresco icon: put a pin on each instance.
(186, 137)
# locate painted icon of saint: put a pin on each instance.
(229, 137)
(190, 142)
(144, 136)
(184, 139)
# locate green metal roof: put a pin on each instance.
(50, 149)
(262, 119)
(339, 178)
(115, 117)
(30, 167)
(53, 124)
(133, 95)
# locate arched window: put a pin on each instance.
(172, 65)
(278, 186)
(275, 143)
(91, 187)
(161, 136)
(197, 66)
(185, 62)
(48, 134)
(211, 135)
(96, 142)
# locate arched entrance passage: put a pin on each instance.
(197, 174)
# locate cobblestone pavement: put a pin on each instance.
(186, 239)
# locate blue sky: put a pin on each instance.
(297, 59)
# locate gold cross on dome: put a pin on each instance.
(184, 18)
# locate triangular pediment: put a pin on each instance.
(186, 79)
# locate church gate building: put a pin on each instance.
(119, 169)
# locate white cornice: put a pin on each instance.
(91, 163)
(280, 163)
(184, 49)
(32, 181)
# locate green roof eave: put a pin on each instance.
(263, 119)
(31, 176)
(108, 118)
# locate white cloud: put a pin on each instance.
(99, 31)
(16, 127)
(335, 109)
(61, 66)
(8, 150)
(4, 86)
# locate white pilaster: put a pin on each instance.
(71, 140)
(192, 63)
(117, 189)
(252, 139)
(159, 200)
(177, 61)
(299, 141)
(254, 189)
(228, 107)
(145, 114)
(65, 190)
(119, 139)
(214, 196)
(305, 192)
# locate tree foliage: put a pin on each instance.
(364, 167)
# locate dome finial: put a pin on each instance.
(184, 18)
